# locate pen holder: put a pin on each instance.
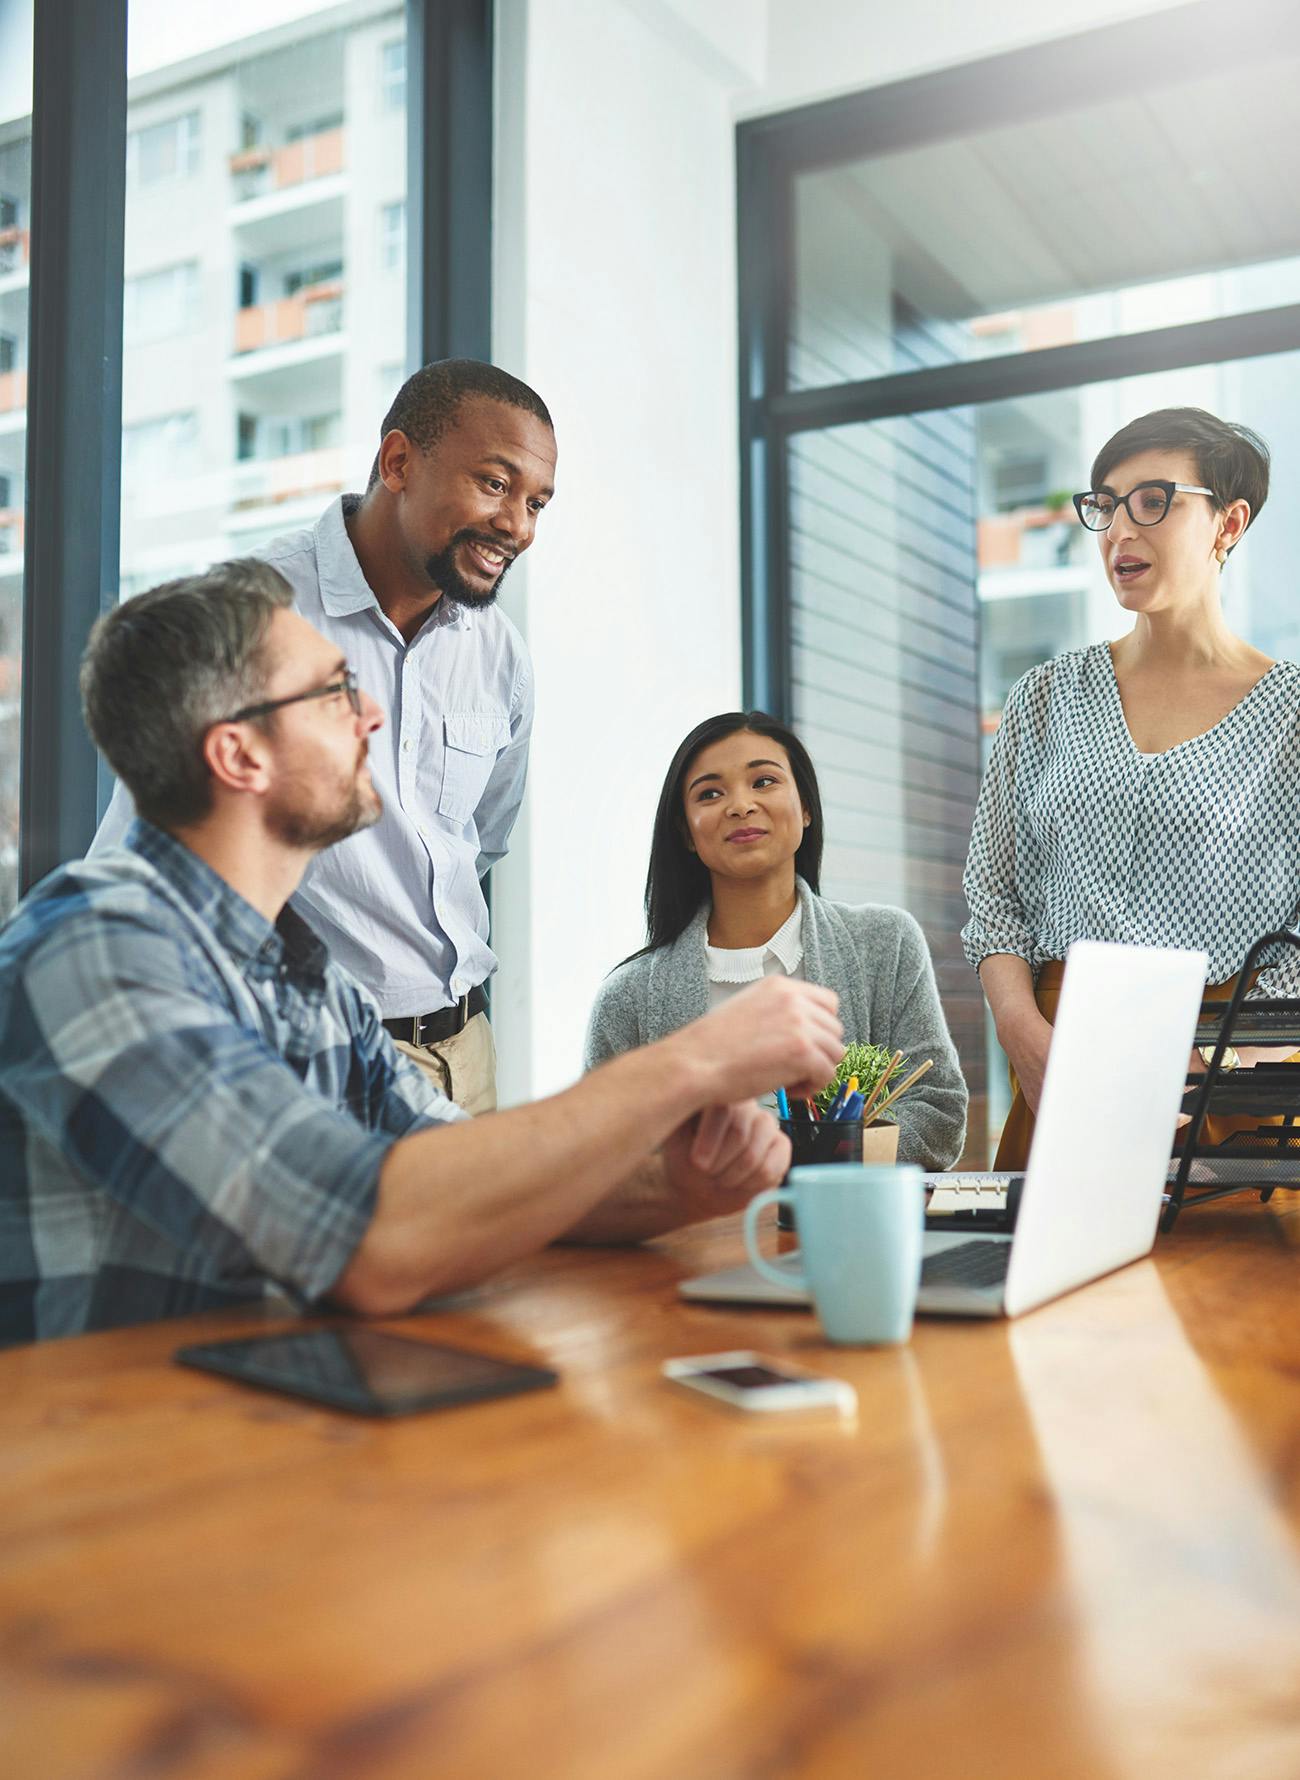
(830, 1140)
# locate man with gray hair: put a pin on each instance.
(198, 1108)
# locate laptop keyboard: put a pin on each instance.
(968, 1264)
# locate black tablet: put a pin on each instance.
(365, 1371)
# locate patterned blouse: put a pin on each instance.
(1079, 836)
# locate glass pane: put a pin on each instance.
(15, 239)
(935, 559)
(885, 668)
(1041, 584)
(265, 296)
(1043, 233)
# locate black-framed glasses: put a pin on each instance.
(347, 685)
(1146, 504)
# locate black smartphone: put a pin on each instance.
(365, 1371)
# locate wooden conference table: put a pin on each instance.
(1068, 1546)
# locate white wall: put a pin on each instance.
(615, 297)
(616, 300)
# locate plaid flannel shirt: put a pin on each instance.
(194, 1104)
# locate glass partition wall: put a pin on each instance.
(952, 292)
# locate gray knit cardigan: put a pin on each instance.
(874, 957)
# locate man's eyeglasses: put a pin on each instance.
(346, 685)
(1146, 504)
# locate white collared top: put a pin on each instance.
(730, 967)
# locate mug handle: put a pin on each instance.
(793, 1282)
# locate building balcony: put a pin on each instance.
(258, 172)
(281, 481)
(15, 251)
(305, 315)
(13, 391)
(11, 543)
(1030, 537)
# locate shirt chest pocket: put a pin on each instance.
(472, 741)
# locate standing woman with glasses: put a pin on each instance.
(1145, 791)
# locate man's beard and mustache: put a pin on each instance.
(307, 824)
(443, 573)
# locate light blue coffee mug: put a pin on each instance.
(860, 1230)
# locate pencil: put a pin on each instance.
(874, 1095)
(904, 1086)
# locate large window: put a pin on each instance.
(225, 310)
(251, 360)
(952, 294)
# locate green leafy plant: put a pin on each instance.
(870, 1063)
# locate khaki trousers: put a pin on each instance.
(464, 1067)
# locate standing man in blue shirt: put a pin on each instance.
(404, 579)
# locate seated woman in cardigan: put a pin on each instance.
(732, 895)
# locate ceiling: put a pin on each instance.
(1185, 179)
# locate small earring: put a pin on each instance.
(1221, 555)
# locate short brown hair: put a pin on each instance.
(1230, 459)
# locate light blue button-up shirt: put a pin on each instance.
(400, 905)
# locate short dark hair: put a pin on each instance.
(1230, 458)
(160, 669)
(427, 403)
(677, 884)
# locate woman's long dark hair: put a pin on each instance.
(677, 884)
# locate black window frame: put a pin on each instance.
(774, 150)
(71, 571)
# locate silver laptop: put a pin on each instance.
(1098, 1164)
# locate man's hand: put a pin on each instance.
(717, 1161)
(777, 1033)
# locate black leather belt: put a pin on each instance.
(432, 1029)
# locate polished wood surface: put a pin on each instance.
(1064, 1547)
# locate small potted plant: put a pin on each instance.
(883, 1078)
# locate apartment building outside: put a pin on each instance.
(264, 306)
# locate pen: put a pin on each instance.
(783, 1104)
(841, 1094)
(852, 1107)
(850, 1090)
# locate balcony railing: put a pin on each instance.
(270, 482)
(316, 310)
(13, 391)
(257, 171)
(15, 250)
(11, 531)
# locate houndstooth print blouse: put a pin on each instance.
(1078, 836)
